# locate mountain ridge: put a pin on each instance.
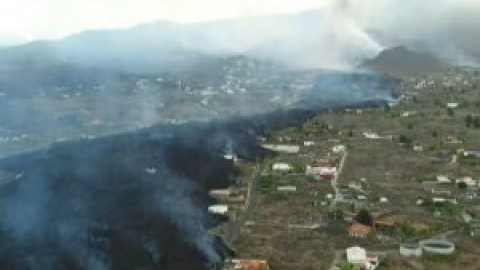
(401, 62)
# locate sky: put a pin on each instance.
(23, 20)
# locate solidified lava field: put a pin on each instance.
(130, 201)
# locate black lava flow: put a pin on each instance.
(130, 201)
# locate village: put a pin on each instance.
(373, 188)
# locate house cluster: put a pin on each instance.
(326, 173)
(441, 189)
(227, 199)
(323, 168)
(228, 195)
(355, 193)
(467, 181)
(380, 227)
(448, 81)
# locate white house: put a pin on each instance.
(218, 209)
(370, 135)
(289, 149)
(361, 197)
(339, 148)
(289, 189)
(452, 105)
(356, 186)
(443, 200)
(285, 167)
(418, 148)
(308, 143)
(420, 201)
(408, 114)
(231, 156)
(326, 173)
(356, 256)
(468, 181)
(442, 179)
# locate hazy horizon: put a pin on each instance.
(28, 20)
(446, 28)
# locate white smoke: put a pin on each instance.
(445, 28)
(343, 33)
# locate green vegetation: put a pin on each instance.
(266, 183)
(426, 178)
(298, 167)
(472, 121)
(450, 112)
(364, 217)
(346, 266)
(405, 140)
(449, 208)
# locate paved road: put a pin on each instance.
(334, 181)
(250, 204)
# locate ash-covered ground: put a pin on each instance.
(41, 106)
(129, 201)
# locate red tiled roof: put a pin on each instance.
(359, 230)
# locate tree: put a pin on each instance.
(469, 120)
(462, 185)
(476, 122)
(336, 215)
(450, 112)
(407, 141)
(364, 217)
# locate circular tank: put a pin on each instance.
(436, 246)
(411, 250)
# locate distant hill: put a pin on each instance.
(287, 39)
(401, 62)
